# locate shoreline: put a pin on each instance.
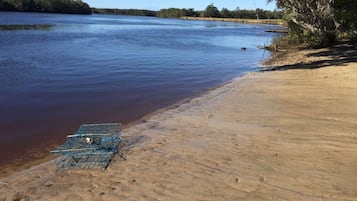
(17, 157)
(246, 21)
(142, 123)
(283, 134)
(180, 105)
(49, 159)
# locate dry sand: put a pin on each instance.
(280, 135)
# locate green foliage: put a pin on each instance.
(211, 11)
(226, 13)
(177, 13)
(77, 6)
(252, 14)
(165, 13)
(136, 12)
(50, 6)
(346, 14)
(319, 23)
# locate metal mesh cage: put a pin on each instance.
(92, 146)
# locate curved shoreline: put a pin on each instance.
(279, 135)
(247, 21)
(14, 169)
(147, 121)
(49, 159)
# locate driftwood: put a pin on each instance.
(277, 31)
(273, 48)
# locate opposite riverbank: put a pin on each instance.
(247, 21)
(287, 134)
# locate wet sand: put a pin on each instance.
(277, 135)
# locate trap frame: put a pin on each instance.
(92, 146)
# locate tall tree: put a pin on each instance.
(211, 11)
(320, 21)
(312, 19)
(225, 13)
(311, 15)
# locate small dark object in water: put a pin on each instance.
(243, 48)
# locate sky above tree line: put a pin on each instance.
(196, 4)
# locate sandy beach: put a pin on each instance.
(286, 134)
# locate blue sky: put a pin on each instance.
(196, 4)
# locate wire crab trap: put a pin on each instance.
(92, 146)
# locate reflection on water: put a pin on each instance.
(60, 71)
(13, 27)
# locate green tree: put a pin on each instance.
(211, 11)
(171, 13)
(190, 12)
(320, 22)
(311, 20)
(226, 13)
(244, 14)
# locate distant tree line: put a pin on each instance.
(165, 13)
(177, 13)
(115, 11)
(77, 6)
(210, 11)
(49, 6)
